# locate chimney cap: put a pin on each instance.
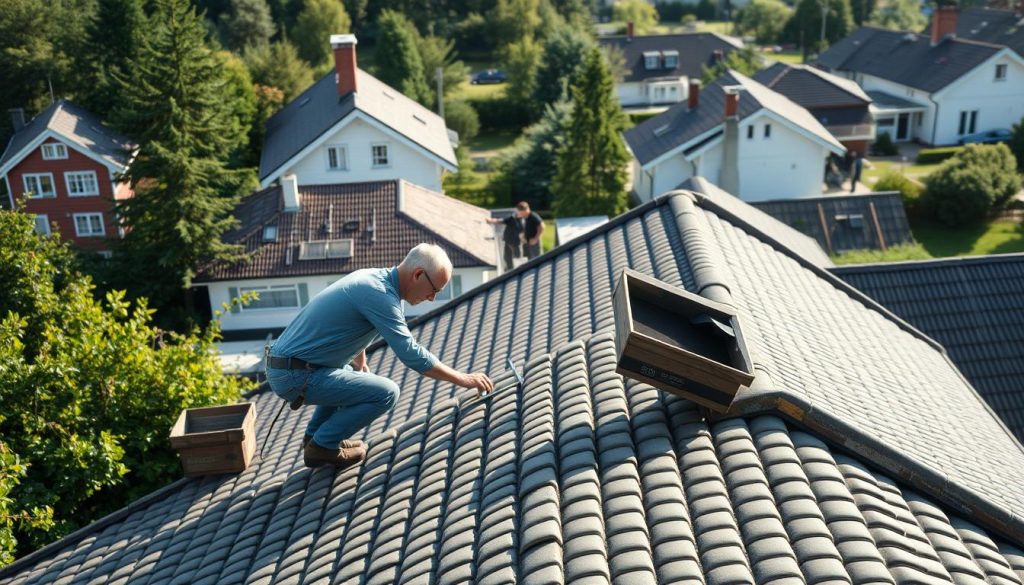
(343, 40)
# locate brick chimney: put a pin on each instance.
(629, 31)
(693, 99)
(732, 102)
(17, 118)
(944, 23)
(344, 47)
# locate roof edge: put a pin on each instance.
(89, 529)
(929, 263)
(875, 453)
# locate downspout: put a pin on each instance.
(935, 120)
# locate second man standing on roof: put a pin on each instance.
(322, 354)
(523, 230)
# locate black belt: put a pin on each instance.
(290, 363)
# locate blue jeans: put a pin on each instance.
(345, 400)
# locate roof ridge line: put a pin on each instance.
(855, 293)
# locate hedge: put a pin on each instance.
(929, 156)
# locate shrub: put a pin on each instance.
(462, 118)
(974, 183)
(498, 113)
(884, 146)
(930, 156)
(909, 190)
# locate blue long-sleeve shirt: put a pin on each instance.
(346, 317)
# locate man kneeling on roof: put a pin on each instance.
(321, 357)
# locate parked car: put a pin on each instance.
(987, 137)
(489, 76)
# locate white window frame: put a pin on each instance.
(70, 176)
(671, 59)
(44, 224)
(449, 291)
(270, 287)
(91, 233)
(35, 194)
(55, 151)
(342, 160)
(652, 60)
(1001, 68)
(387, 155)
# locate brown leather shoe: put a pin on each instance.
(346, 444)
(314, 456)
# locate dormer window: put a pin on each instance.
(652, 59)
(55, 151)
(671, 59)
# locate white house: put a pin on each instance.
(740, 135)
(301, 238)
(932, 89)
(350, 127)
(659, 67)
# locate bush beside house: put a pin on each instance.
(968, 187)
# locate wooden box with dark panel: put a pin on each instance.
(216, 439)
(679, 342)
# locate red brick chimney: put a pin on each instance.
(694, 96)
(732, 102)
(629, 31)
(944, 22)
(344, 63)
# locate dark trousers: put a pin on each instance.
(511, 251)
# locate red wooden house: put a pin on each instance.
(66, 163)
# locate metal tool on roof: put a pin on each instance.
(518, 377)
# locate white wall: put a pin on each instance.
(921, 132)
(358, 136)
(642, 93)
(1000, 104)
(277, 318)
(788, 165)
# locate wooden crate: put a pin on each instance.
(216, 439)
(679, 342)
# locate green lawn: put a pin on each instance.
(547, 239)
(488, 90)
(880, 167)
(489, 143)
(935, 240)
(793, 58)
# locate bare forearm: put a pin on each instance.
(446, 374)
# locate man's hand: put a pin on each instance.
(477, 380)
(360, 363)
(533, 241)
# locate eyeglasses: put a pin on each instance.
(436, 290)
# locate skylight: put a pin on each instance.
(324, 249)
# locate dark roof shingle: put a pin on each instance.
(906, 58)
(972, 306)
(858, 454)
(999, 27)
(696, 50)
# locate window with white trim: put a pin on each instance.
(1001, 72)
(651, 59)
(767, 130)
(671, 59)
(81, 183)
(750, 132)
(43, 224)
(55, 151)
(380, 155)
(337, 158)
(89, 224)
(39, 185)
(277, 296)
(452, 290)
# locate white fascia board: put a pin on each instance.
(670, 153)
(47, 134)
(1004, 52)
(832, 145)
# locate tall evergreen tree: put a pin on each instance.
(316, 23)
(804, 26)
(591, 177)
(560, 63)
(513, 21)
(438, 53)
(176, 107)
(278, 65)
(114, 39)
(530, 165)
(249, 23)
(401, 66)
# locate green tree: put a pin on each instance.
(529, 167)
(900, 15)
(591, 176)
(804, 27)
(764, 20)
(249, 23)
(514, 21)
(14, 516)
(462, 118)
(641, 13)
(746, 61)
(862, 11)
(401, 66)
(977, 181)
(113, 41)
(177, 109)
(1016, 144)
(318, 20)
(90, 389)
(522, 60)
(437, 53)
(560, 64)
(241, 93)
(278, 65)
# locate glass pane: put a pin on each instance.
(96, 222)
(42, 225)
(332, 158)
